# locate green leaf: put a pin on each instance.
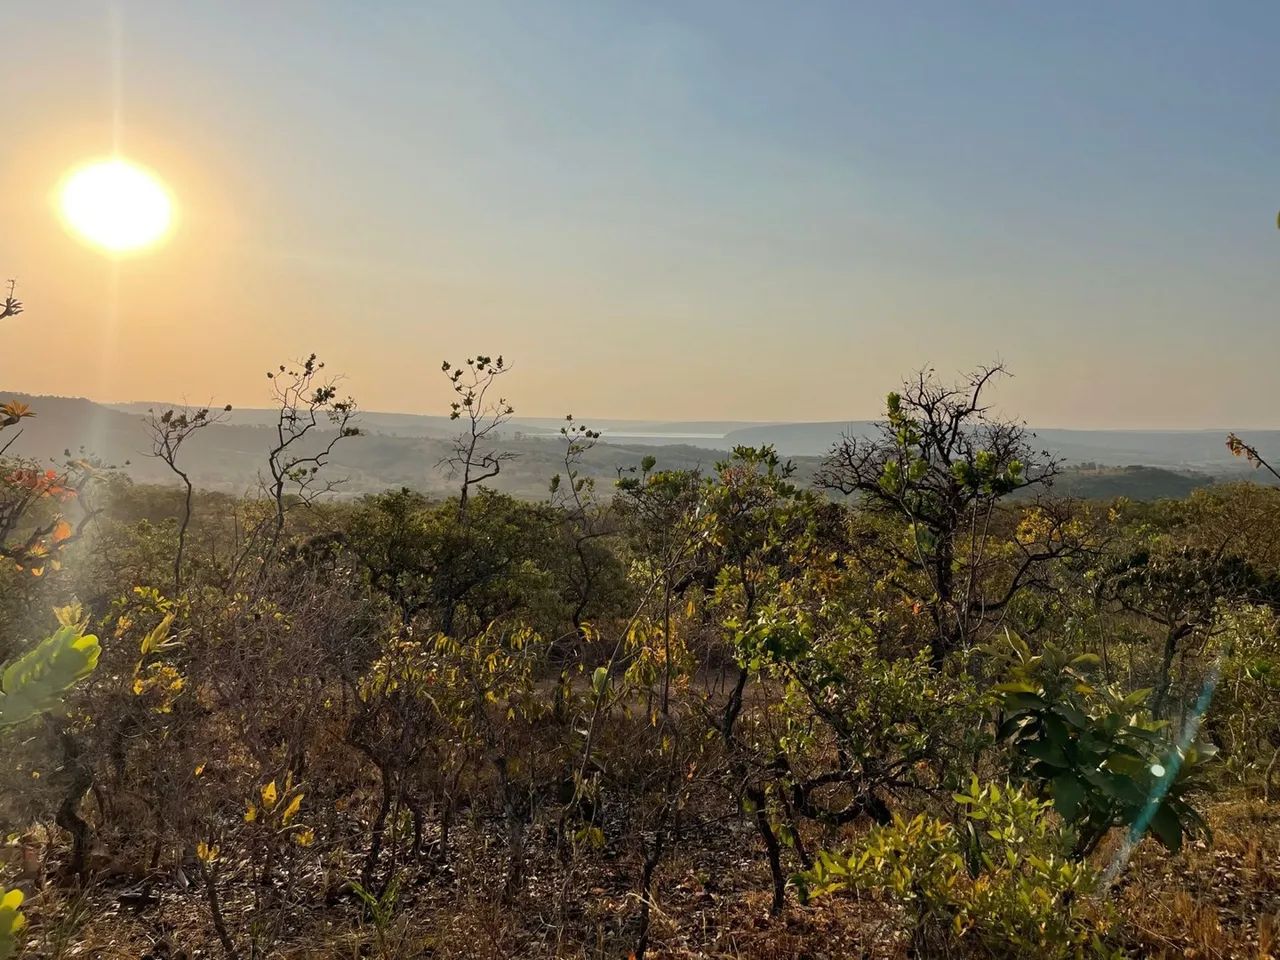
(1022, 702)
(36, 681)
(1046, 752)
(1117, 786)
(1167, 828)
(1068, 794)
(972, 849)
(1070, 714)
(1017, 686)
(1010, 727)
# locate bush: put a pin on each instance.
(999, 885)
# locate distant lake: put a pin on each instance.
(662, 436)
(637, 436)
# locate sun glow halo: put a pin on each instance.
(116, 205)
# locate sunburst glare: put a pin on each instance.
(116, 205)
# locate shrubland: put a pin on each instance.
(921, 706)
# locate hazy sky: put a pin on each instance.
(658, 209)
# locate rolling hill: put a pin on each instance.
(406, 450)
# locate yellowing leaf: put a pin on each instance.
(154, 640)
(11, 921)
(305, 838)
(206, 852)
(270, 794)
(251, 814)
(71, 615)
(291, 810)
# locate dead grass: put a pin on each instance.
(1214, 900)
(1218, 899)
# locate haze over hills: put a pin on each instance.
(1201, 450)
(399, 449)
(1183, 449)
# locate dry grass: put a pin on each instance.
(1218, 900)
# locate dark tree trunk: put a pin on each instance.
(378, 830)
(79, 780)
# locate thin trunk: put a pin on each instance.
(182, 532)
(652, 857)
(666, 646)
(1161, 694)
(515, 834)
(772, 847)
(215, 909)
(950, 634)
(378, 831)
(1267, 781)
(68, 816)
(733, 707)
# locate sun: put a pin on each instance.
(116, 205)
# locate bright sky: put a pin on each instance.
(660, 209)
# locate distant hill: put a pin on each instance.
(1133, 482)
(395, 450)
(1203, 450)
(428, 425)
(404, 450)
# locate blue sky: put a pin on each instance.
(750, 211)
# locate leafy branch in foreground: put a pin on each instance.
(1095, 751)
(36, 681)
(1239, 448)
(33, 684)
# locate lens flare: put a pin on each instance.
(116, 205)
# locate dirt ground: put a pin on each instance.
(1218, 899)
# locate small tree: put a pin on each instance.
(169, 431)
(305, 400)
(941, 462)
(586, 523)
(473, 455)
(1182, 592)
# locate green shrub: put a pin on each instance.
(1096, 751)
(998, 885)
